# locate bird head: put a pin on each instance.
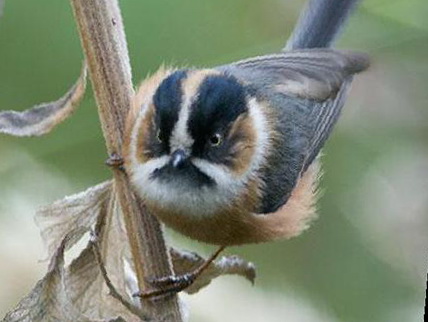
(195, 142)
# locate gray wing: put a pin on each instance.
(316, 74)
(307, 88)
(323, 117)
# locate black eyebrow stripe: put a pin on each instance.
(220, 101)
(167, 102)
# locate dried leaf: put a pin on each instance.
(227, 265)
(41, 119)
(79, 292)
(54, 297)
(93, 299)
(48, 300)
(87, 290)
(72, 216)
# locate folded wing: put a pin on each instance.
(308, 89)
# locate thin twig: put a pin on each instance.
(113, 291)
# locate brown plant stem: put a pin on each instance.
(103, 40)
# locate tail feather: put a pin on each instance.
(320, 23)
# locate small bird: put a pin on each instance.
(229, 155)
(226, 155)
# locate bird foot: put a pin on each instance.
(168, 285)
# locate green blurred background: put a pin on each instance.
(364, 259)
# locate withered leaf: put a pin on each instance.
(80, 288)
(1, 7)
(78, 292)
(185, 262)
(54, 298)
(48, 300)
(73, 216)
(41, 119)
(87, 290)
(83, 282)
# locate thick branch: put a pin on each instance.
(104, 43)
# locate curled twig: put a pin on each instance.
(113, 291)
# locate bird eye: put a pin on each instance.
(158, 136)
(216, 140)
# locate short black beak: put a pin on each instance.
(179, 158)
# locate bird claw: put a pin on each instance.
(173, 281)
(167, 285)
(171, 285)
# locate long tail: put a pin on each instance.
(320, 23)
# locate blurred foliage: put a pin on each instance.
(365, 258)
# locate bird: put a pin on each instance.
(229, 155)
(225, 155)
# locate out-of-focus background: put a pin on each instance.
(364, 259)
